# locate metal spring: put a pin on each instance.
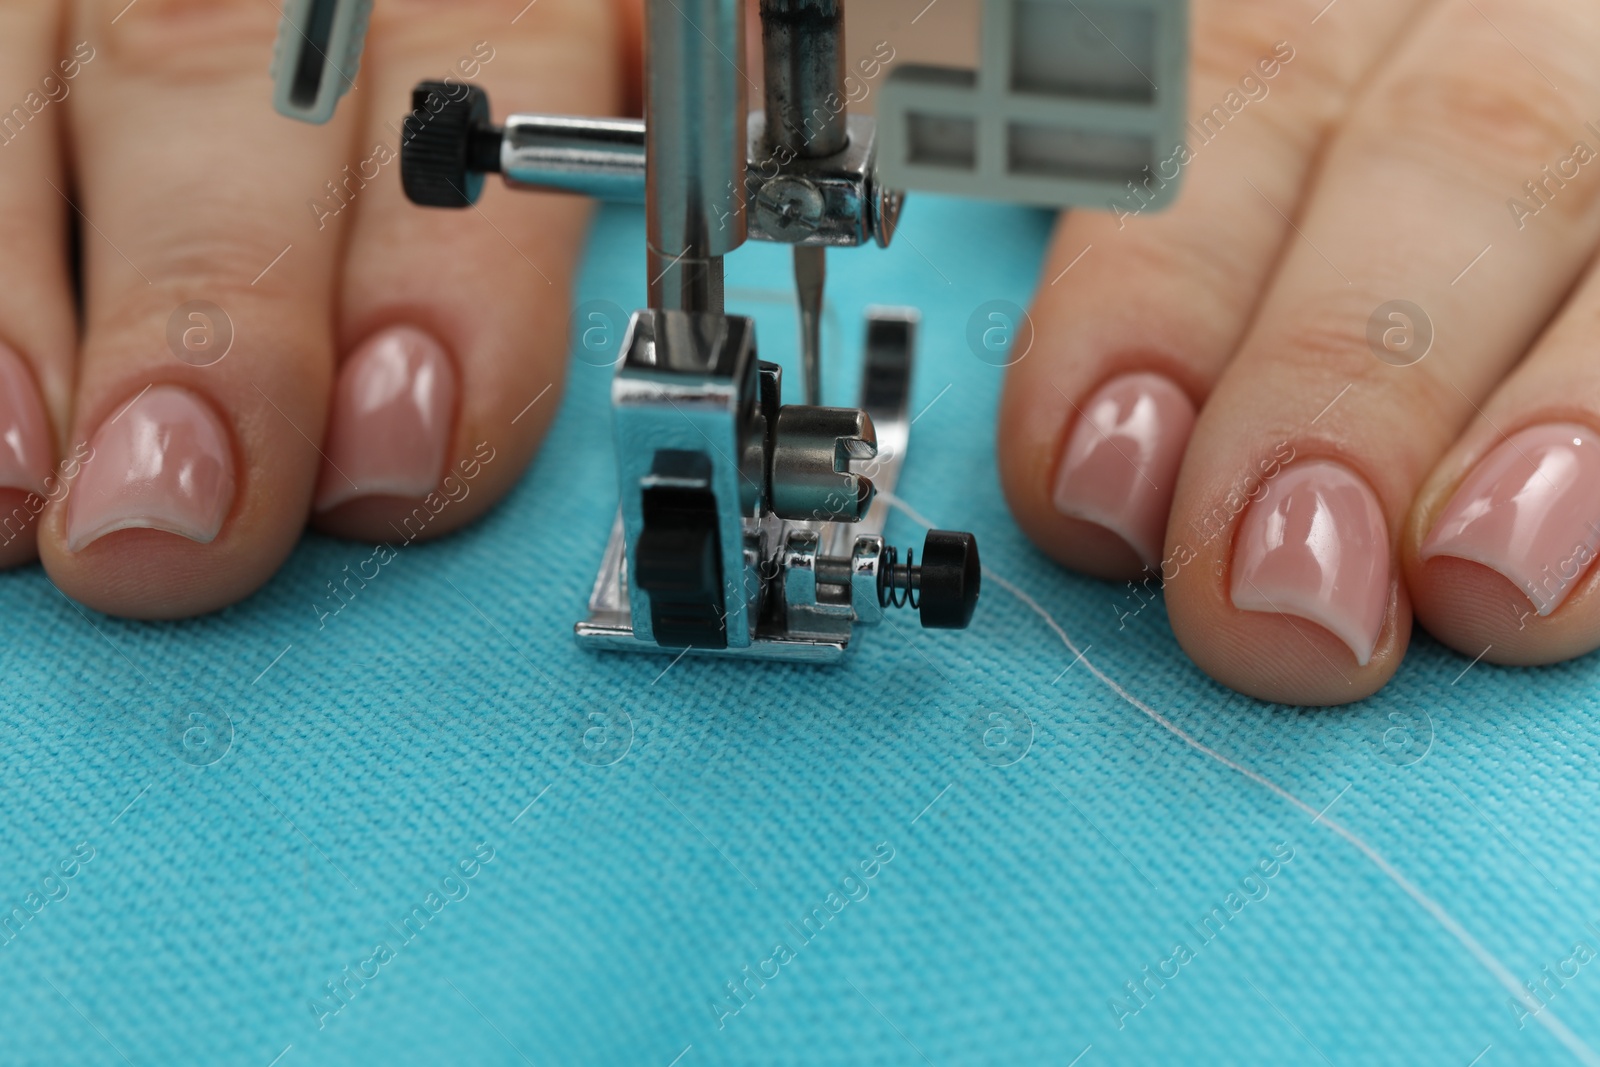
(895, 586)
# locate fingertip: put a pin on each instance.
(391, 421)
(158, 518)
(1479, 612)
(1278, 656)
(1091, 480)
(1503, 540)
(165, 463)
(1084, 546)
(1316, 546)
(470, 485)
(1283, 587)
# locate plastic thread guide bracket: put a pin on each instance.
(317, 56)
(1072, 100)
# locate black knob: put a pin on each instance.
(948, 580)
(449, 144)
(678, 563)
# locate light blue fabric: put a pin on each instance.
(372, 755)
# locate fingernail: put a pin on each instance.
(1316, 546)
(1120, 464)
(1530, 510)
(24, 432)
(392, 410)
(162, 462)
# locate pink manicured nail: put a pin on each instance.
(162, 462)
(1316, 546)
(1529, 510)
(1120, 465)
(392, 410)
(24, 432)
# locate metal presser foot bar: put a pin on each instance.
(747, 526)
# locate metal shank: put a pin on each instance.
(694, 147)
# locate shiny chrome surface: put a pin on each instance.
(812, 477)
(602, 158)
(695, 132)
(835, 200)
(826, 573)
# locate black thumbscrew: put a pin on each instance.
(943, 587)
(449, 144)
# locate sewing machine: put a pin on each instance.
(747, 525)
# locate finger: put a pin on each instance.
(452, 323)
(1501, 541)
(1138, 313)
(193, 190)
(1312, 446)
(630, 41)
(38, 71)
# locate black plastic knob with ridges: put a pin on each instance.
(943, 587)
(949, 580)
(448, 145)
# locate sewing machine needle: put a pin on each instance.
(810, 271)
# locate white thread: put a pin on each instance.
(1546, 1017)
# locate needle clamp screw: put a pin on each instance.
(449, 145)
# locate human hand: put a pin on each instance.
(1228, 394)
(384, 359)
(1375, 126)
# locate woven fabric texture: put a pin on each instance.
(426, 828)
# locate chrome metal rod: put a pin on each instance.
(692, 284)
(602, 158)
(802, 44)
(695, 108)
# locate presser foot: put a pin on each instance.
(802, 585)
